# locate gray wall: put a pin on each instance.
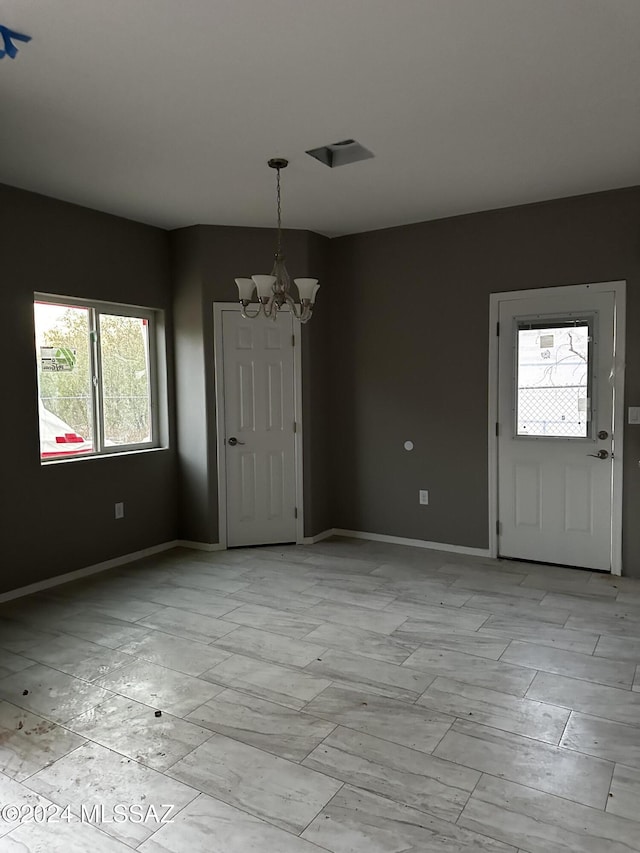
(196, 504)
(205, 261)
(372, 369)
(57, 518)
(403, 293)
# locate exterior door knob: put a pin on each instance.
(233, 441)
(601, 454)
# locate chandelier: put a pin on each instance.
(274, 290)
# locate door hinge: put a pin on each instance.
(497, 428)
(498, 528)
(295, 512)
(295, 427)
(498, 329)
(293, 340)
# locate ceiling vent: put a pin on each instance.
(341, 153)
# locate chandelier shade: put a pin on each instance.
(246, 287)
(274, 291)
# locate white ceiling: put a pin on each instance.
(166, 111)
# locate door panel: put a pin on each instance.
(246, 397)
(275, 397)
(528, 497)
(259, 394)
(277, 468)
(555, 357)
(578, 499)
(247, 502)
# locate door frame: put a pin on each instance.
(218, 309)
(618, 288)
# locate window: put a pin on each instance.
(553, 378)
(97, 388)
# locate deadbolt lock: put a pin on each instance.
(603, 434)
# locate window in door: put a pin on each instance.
(553, 378)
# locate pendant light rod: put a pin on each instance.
(278, 163)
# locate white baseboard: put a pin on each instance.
(88, 570)
(311, 540)
(200, 546)
(414, 543)
(58, 580)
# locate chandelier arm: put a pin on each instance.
(302, 311)
(295, 309)
(270, 308)
(245, 314)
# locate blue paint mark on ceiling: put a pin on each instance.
(8, 37)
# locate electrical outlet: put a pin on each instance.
(424, 497)
(120, 509)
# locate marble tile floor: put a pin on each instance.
(346, 697)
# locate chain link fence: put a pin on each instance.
(555, 411)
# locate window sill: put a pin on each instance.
(45, 463)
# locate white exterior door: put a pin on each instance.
(259, 429)
(555, 428)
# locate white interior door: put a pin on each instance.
(555, 428)
(259, 421)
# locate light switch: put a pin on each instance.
(634, 414)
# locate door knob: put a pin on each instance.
(601, 454)
(233, 441)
